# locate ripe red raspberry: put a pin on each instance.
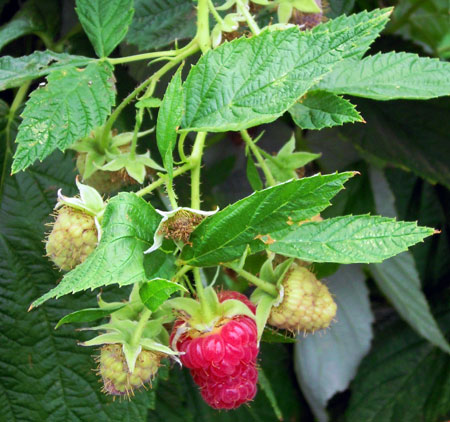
(223, 360)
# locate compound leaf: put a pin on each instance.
(225, 235)
(105, 22)
(74, 102)
(254, 80)
(348, 239)
(169, 119)
(320, 109)
(128, 227)
(155, 292)
(157, 23)
(390, 76)
(35, 17)
(14, 71)
(403, 378)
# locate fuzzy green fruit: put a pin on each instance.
(113, 368)
(307, 304)
(72, 239)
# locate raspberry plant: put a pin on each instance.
(143, 228)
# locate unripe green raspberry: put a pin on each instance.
(104, 181)
(117, 380)
(72, 239)
(307, 304)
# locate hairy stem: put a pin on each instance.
(171, 194)
(159, 182)
(255, 151)
(242, 8)
(137, 126)
(196, 161)
(193, 48)
(263, 285)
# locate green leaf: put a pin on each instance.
(339, 7)
(157, 23)
(326, 362)
(403, 378)
(283, 166)
(423, 22)
(151, 102)
(271, 336)
(34, 17)
(47, 367)
(409, 134)
(254, 80)
(398, 278)
(225, 235)
(159, 264)
(356, 27)
(390, 76)
(320, 109)
(14, 71)
(105, 22)
(155, 292)
(128, 227)
(266, 386)
(169, 119)
(349, 239)
(88, 315)
(74, 102)
(253, 176)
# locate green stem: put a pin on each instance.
(193, 48)
(181, 147)
(248, 17)
(201, 294)
(137, 126)
(157, 183)
(254, 149)
(203, 34)
(144, 56)
(182, 271)
(263, 285)
(171, 194)
(214, 12)
(145, 315)
(196, 161)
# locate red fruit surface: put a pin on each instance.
(222, 361)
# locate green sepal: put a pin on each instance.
(283, 166)
(266, 272)
(131, 352)
(135, 165)
(157, 347)
(185, 304)
(108, 338)
(281, 271)
(263, 309)
(232, 307)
